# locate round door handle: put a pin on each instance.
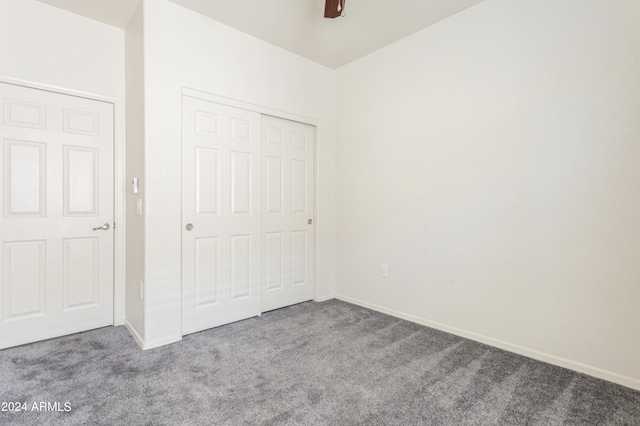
(103, 227)
(189, 226)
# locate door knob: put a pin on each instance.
(104, 227)
(189, 227)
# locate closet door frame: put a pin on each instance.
(287, 116)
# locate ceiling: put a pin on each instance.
(298, 25)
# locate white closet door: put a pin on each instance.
(287, 216)
(221, 214)
(56, 174)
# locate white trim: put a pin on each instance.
(134, 333)
(600, 373)
(58, 89)
(316, 212)
(119, 212)
(118, 181)
(250, 107)
(325, 298)
(149, 345)
(161, 342)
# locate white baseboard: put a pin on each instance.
(325, 298)
(161, 342)
(610, 376)
(134, 333)
(150, 345)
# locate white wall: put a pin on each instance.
(47, 45)
(492, 161)
(185, 49)
(134, 61)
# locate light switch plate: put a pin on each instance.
(384, 270)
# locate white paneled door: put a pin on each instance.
(221, 214)
(287, 217)
(247, 210)
(56, 223)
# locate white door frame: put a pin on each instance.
(287, 116)
(119, 178)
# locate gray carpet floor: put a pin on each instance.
(328, 363)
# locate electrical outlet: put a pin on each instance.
(141, 290)
(384, 270)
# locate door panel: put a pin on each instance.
(80, 181)
(57, 185)
(221, 199)
(274, 260)
(24, 279)
(80, 279)
(241, 190)
(288, 170)
(207, 181)
(206, 274)
(24, 178)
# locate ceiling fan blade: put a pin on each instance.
(333, 8)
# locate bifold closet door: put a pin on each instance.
(221, 247)
(287, 216)
(56, 214)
